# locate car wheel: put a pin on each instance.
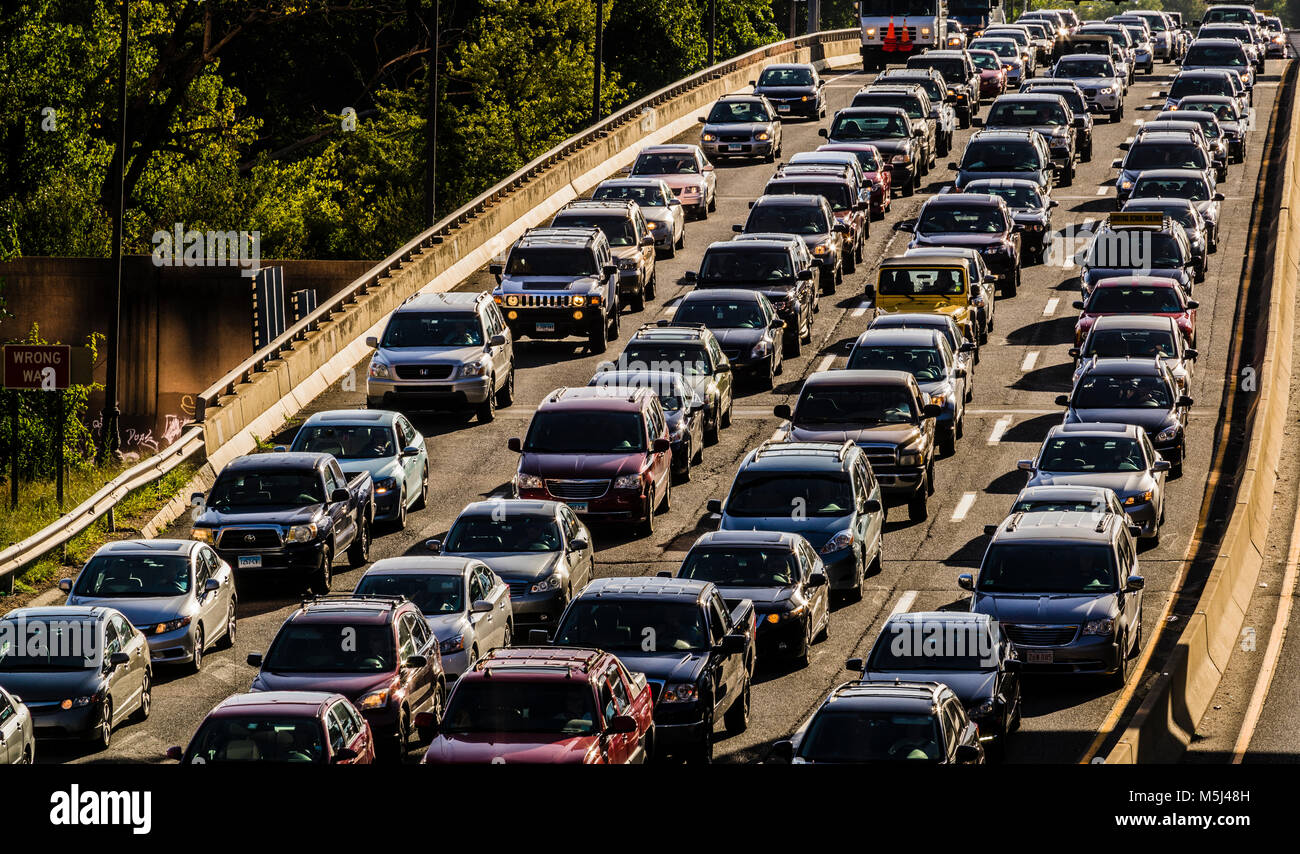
(792, 346)
(736, 719)
(699, 455)
(647, 526)
(948, 441)
(909, 188)
(616, 325)
(684, 473)
(670, 250)
(425, 734)
(146, 698)
(637, 301)
(1012, 285)
(854, 593)
(667, 504)
(359, 551)
(196, 663)
(726, 416)
(711, 433)
(681, 240)
(400, 522)
(324, 577)
(232, 627)
(103, 736)
(713, 202)
(597, 340)
(422, 500)
(917, 508)
(506, 395)
(487, 410)
(1121, 672)
(702, 753)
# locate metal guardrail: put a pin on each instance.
(86, 513)
(435, 234)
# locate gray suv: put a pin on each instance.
(631, 243)
(443, 351)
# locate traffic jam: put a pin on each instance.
(507, 636)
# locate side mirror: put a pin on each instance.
(1218, 197)
(931, 410)
(1062, 400)
(514, 443)
(871, 505)
(212, 585)
(734, 644)
(959, 372)
(822, 132)
(1161, 465)
(279, 449)
(674, 202)
(782, 410)
(952, 164)
(782, 752)
(1191, 353)
(176, 753)
(1074, 352)
(977, 121)
(1013, 665)
(1117, 163)
(647, 241)
(434, 546)
(65, 584)
(1123, 146)
(724, 368)
(339, 496)
(778, 323)
(538, 637)
(1077, 304)
(577, 544)
(690, 277)
(805, 275)
(196, 499)
(662, 446)
(118, 659)
(1135, 582)
(609, 270)
(905, 225)
(739, 229)
(415, 662)
(372, 341)
(1191, 303)
(621, 725)
(966, 581)
(481, 606)
(499, 340)
(496, 269)
(967, 753)
(704, 119)
(840, 228)
(343, 754)
(1025, 465)
(856, 665)
(818, 579)
(990, 530)
(1184, 400)
(254, 659)
(1135, 529)
(966, 347)
(714, 506)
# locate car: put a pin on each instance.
(80, 670)
(1137, 295)
(1276, 36)
(1138, 244)
(1159, 150)
(849, 199)
(983, 284)
(540, 548)
(875, 169)
(1207, 122)
(1164, 35)
(465, 604)
(1102, 45)
(795, 88)
(1185, 214)
(288, 512)
(914, 101)
(1206, 81)
(630, 240)
(884, 413)
(1113, 456)
(663, 211)
(560, 283)
(546, 705)
(1031, 210)
(934, 282)
(870, 722)
(1080, 118)
(377, 651)
(925, 354)
(1232, 120)
(835, 494)
(890, 130)
(965, 651)
(1144, 54)
(1120, 38)
(683, 408)
(1195, 185)
(685, 169)
(1047, 113)
(1134, 391)
(1043, 36)
(741, 126)
(960, 74)
(780, 573)
(1065, 588)
(1010, 57)
(693, 352)
(696, 651)
(178, 593)
(1005, 153)
(1136, 336)
(17, 731)
(835, 161)
(1098, 500)
(1019, 34)
(292, 727)
(443, 351)
(605, 452)
(384, 444)
(1245, 34)
(769, 264)
(993, 74)
(941, 323)
(809, 216)
(1228, 54)
(956, 35)
(1097, 78)
(970, 220)
(942, 115)
(747, 326)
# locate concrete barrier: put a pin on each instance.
(1178, 697)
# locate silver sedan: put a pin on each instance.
(663, 211)
(17, 734)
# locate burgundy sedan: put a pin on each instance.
(993, 76)
(875, 169)
(297, 727)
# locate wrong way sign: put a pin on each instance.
(37, 367)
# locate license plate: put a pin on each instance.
(250, 561)
(783, 108)
(545, 327)
(734, 147)
(1039, 656)
(577, 506)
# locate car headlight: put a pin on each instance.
(628, 481)
(627, 264)
(528, 481)
(79, 702)
(577, 300)
(1126, 184)
(761, 349)
(708, 137)
(171, 625)
(651, 224)
(939, 399)
(203, 535)
(987, 707)
(450, 645)
(374, 700)
(679, 693)
(901, 158)
(379, 370)
(871, 32)
(792, 614)
(384, 484)
(909, 458)
(1108, 90)
(512, 300)
(1168, 434)
(546, 585)
(821, 249)
(763, 136)
(468, 370)
(301, 533)
(1099, 627)
(1139, 498)
(842, 540)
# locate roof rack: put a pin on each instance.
(340, 598)
(669, 324)
(772, 446)
(1014, 521)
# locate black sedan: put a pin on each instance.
(796, 89)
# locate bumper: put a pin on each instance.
(613, 505)
(174, 647)
(1102, 103)
(1098, 655)
(841, 568)
(388, 505)
(786, 639)
(629, 282)
(536, 610)
(1171, 451)
(453, 394)
(300, 557)
(806, 108)
(663, 235)
(896, 480)
(753, 148)
(901, 174)
(455, 663)
(551, 324)
(383, 722)
(1146, 516)
(1001, 264)
(50, 721)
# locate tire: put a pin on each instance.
(1009, 288)
(232, 627)
(850, 261)
(681, 241)
(1069, 175)
(146, 698)
(487, 410)
(726, 416)
(652, 286)
(711, 434)
(323, 578)
(736, 720)
(854, 593)
(359, 551)
(713, 202)
(400, 522)
(200, 641)
(422, 500)
(1117, 115)
(506, 394)
(828, 282)
(948, 441)
(702, 753)
(792, 346)
(1121, 674)
(670, 250)
(646, 528)
(917, 507)
(667, 504)
(616, 323)
(910, 188)
(102, 738)
(425, 734)
(637, 301)
(597, 338)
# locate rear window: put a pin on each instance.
(837, 193)
(887, 99)
(741, 267)
(1212, 54)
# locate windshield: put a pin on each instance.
(1198, 85)
(902, 281)
(934, 646)
(988, 156)
(908, 103)
(1084, 68)
(868, 158)
(267, 489)
(135, 575)
(855, 405)
(666, 164)
(1027, 113)
(1091, 455)
(432, 593)
(48, 644)
(645, 195)
(618, 229)
(1183, 214)
(785, 77)
(308, 647)
(1192, 189)
(347, 443)
(1116, 343)
(1231, 56)
(1073, 99)
(737, 112)
(561, 263)
(835, 192)
(1047, 505)
(634, 626)
(249, 739)
(1161, 154)
(689, 360)
(924, 363)
(1016, 36)
(869, 127)
(503, 705)
(591, 432)
(948, 219)
(419, 329)
(721, 314)
(742, 567)
(781, 493)
(1015, 197)
(944, 326)
(788, 219)
(853, 735)
(985, 60)
(1208, 123)
(513, 533)
(1047, 569)
(1225, 112)
(1002, 47)
(1099, 391)
(953, 70)
(1123, 299)
(756, 266)
(1135, 249)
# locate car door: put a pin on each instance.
(657, 428)
(497, 592)
(11, 732)
(867, 488)
(225, 576)
(485, 623)
(345, 525)
(133, 675)
(212, 612)
(617, 701)
(500, 355)
(412, 471)
(809, 565)
(418, 680)
(722, 376)
(728, 669)
(581, 560)
(1131, 599)
(335, 731)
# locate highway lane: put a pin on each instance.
(1011, 412)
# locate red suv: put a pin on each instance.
(606, 452)
(1148, 295)
(545, 705)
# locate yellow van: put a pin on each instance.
(928, 283)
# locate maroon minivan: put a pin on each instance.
(606, 452)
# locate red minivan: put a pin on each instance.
(604, 451)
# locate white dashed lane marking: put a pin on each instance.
(963, 507)
(999, 427)
(1031, 359)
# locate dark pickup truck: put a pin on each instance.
(287, 512)
(695, 651)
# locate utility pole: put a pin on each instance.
(814, 16)
(599, 60)
(110, 440)
(713, 32)
(431, 124)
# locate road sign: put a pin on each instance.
(37, 367)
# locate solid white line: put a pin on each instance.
(999, 427)
(963, 507)
(1101, 191)
(861, 309)
(1031, 358)
(904, 603)
(826, 362)
(1050, 308)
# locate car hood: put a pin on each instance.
(435, 355)
(140, 610)
(876, 434)
(582, 465)
(44, 686)
(446, 626)
(530, 284)
(378, 469)
(526, 748)
(1049, 608)
(1151, 420)
(1122, 482)
(764, 598)
(271, 515)
(678, 181)
(972, 687)
(517, 566)
(815, 529)
(669, 666)
(739, 337)
(350, 685)
(738, 127)
(956, 238)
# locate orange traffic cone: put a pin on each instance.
(906, 45)
(890, 42)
